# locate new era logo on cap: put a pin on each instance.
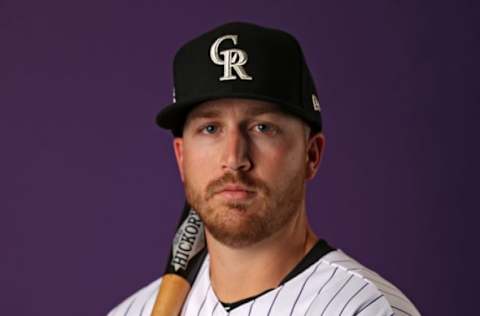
(316, 103)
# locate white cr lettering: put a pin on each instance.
(232, 59)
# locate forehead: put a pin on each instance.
(243, 107)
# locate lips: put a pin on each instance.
(234, 191)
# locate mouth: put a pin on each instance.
(235, 192)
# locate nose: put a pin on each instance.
(236, 152)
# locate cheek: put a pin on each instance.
(197, 164)
(278, 161)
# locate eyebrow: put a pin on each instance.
(212, 113)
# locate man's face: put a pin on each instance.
(244, 166)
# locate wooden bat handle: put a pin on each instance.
(171, 295)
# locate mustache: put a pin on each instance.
(240, 178)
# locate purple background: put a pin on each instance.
(90, 193)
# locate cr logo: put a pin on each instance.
(232, 59)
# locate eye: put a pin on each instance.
(209, 129)
(264, 128)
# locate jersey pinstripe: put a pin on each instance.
(335, 284)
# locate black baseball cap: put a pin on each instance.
(242, 60)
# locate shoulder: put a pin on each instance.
(140, 303)
(349, 288)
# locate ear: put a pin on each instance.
(178, 149)
(315, 148)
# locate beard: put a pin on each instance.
(245, 222)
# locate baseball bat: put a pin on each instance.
(186, 257)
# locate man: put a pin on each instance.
(248, 135)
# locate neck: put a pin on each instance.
(238, 273)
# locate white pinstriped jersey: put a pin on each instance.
(335, 284)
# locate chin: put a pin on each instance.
(236, 226)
